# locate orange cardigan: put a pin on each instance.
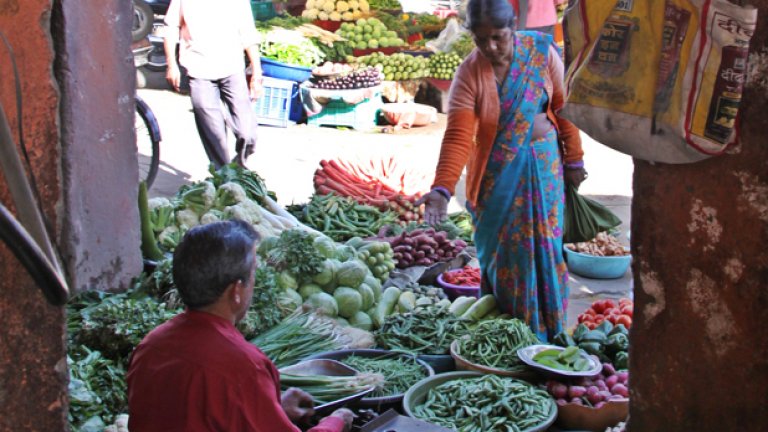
(473, 117)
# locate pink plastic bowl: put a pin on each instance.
(454, 291)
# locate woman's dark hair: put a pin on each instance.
(497, 13)
(210, 257)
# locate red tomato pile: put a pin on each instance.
(607, 310)
(467, 276)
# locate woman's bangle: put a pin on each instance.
(574, 165)
(442, 191)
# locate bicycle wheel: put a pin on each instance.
(29, 254)
(147, 142)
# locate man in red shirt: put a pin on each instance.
(196, 372)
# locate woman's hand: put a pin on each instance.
(297, 404)
(435, 207)
(575, 176)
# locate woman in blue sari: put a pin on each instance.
(503, 127)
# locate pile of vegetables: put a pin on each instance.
(487, 403)
(385, 5)
(335, 10)
(466, 276)
(400, 372)
(463, 222)
(426, 295)
(369, 33)
(473, 309)
(423, 331)
(463, 45)
(290, 47)
(609, 343)
(398, 66)
(443, 65)
(609, 385)
(608, 310)
(327, 388)
(380, 184)
(602, 245)
(342, 218)
(302, 335)
(569, 359)
(423, 247)
(494, 343)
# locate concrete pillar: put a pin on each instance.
(77, 86)
(699, 355)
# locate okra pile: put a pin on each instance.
(494, 343)
(486, 404)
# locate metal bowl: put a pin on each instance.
(328, 368)
(526, 355)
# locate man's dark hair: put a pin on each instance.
(497, 13)
(210, 257)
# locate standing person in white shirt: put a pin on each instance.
(213, 36)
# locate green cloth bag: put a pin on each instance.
(584, 218)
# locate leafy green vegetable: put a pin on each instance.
(97, 389)
(253, 184)
(264, 312)
(295, 251)
(303, 53)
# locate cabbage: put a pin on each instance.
(375, 286)
(349, 301)
(285, 279)
(323, 303)
(362, 321)
(325, 246)
(345, 253)
(326, 274)
(307, 290)
(342, 322)
(289, 300)
(351, 273)
(367, 293)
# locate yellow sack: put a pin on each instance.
(660, 80)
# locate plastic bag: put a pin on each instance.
(450, 34)
(585, 218)
(660, 80)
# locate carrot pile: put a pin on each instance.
(381, 184)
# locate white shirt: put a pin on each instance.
(213, 35)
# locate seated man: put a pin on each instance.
(196, 372)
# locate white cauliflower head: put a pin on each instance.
(342, 6)
(323, 15)
(329, 6)
(335, 16)
(309, 14)
(364, 5)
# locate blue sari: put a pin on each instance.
(518, 214)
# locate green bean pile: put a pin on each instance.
(426, 331)
(486, 404)
(400, 373)
(494, 343)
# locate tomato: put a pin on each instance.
(590, 311)
(609, 304)
(590, 325)
(626, 320)
(627, 310)
(625, 302)
(599, 319)
(598, 306)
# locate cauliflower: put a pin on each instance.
(170, 237)
(353, 5)
(160, 213)
(322, 16)
(335, 16)
(246, 211)
(329, 6)
(342, 6)
(229, 194)
(187, 218)
(347, 16)
(310, 4)
(357, 14)
(309, 14)
(199, 197)
(364, 7)
(212, 216)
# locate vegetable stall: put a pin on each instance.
(354, 274)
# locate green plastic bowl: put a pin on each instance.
(416, 395)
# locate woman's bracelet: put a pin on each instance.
(574, 165)
(443, 191)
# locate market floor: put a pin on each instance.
(287, 158)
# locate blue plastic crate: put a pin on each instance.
(280, 105)
(360, 116)
(262, 10)
(275, 69)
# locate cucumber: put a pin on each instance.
(461, 304)
(480, 308)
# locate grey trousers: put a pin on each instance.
(209, 100)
